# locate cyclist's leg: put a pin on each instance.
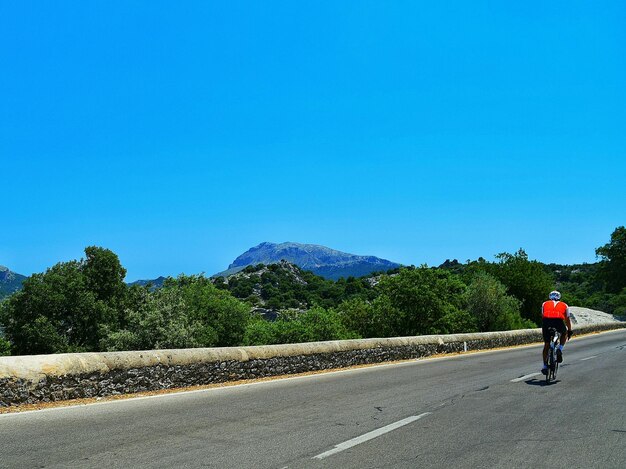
(546, 349)
(562, 339)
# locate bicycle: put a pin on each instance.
(553, 364)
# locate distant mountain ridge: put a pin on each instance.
(321, 260)
(10, 282)
(156, 283)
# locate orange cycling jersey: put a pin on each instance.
(554, 310)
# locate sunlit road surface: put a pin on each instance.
(490, 409)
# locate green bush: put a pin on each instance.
(358, 315)
(163, 321)
(421, 301)
(317, 324)
(213, 307)
(5, 347)
(493, 310)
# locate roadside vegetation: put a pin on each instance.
(85, 305)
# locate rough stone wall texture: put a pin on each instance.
(47, 378)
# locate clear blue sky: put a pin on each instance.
(181, 134)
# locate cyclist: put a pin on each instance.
(555, 315)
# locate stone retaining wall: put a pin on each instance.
(46, 378)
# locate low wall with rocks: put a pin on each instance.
(46, 378)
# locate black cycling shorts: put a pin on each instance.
(547, 323)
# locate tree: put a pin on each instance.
(492, 308)
(53, 313)
(163, 321)
(526, 280)
(358, 315)
(64, 309)
(5, 347)
(422, 301)
(613, 261)
(104, 275)
(213, 307)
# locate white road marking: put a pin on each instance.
(588, 358)
(522, 378)
(369, 436)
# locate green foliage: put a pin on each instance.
(57, 311)
(86, 306)
(285, 286)
(577, 283)
(5, 347)
(164, 320)
(323, 324)
(456, 322)
(262, 332)
(104, 274)
(612, 303)
(317, 324)
(493, 310)
(526, 280)
(360, 316)
(618, 305)
(422, 301)
(613, 261)
(213, 307)
(187, 312)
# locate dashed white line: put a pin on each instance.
(588, 358)
(522, 378)
(369, 436)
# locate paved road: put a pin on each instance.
(475, 410)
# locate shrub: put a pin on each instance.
(163, 321)
(491, 307)
(421, 301)
(317, 324)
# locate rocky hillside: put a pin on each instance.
(273, 288)
(322, 261)
(9, 281)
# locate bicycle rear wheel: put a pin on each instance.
(556, 367)
(551, 363)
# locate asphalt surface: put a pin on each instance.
(473, 410)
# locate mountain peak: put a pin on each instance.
(10, 282)
(321, 260)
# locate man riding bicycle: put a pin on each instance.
(555, 315)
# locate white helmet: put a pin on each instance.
(554, 295)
